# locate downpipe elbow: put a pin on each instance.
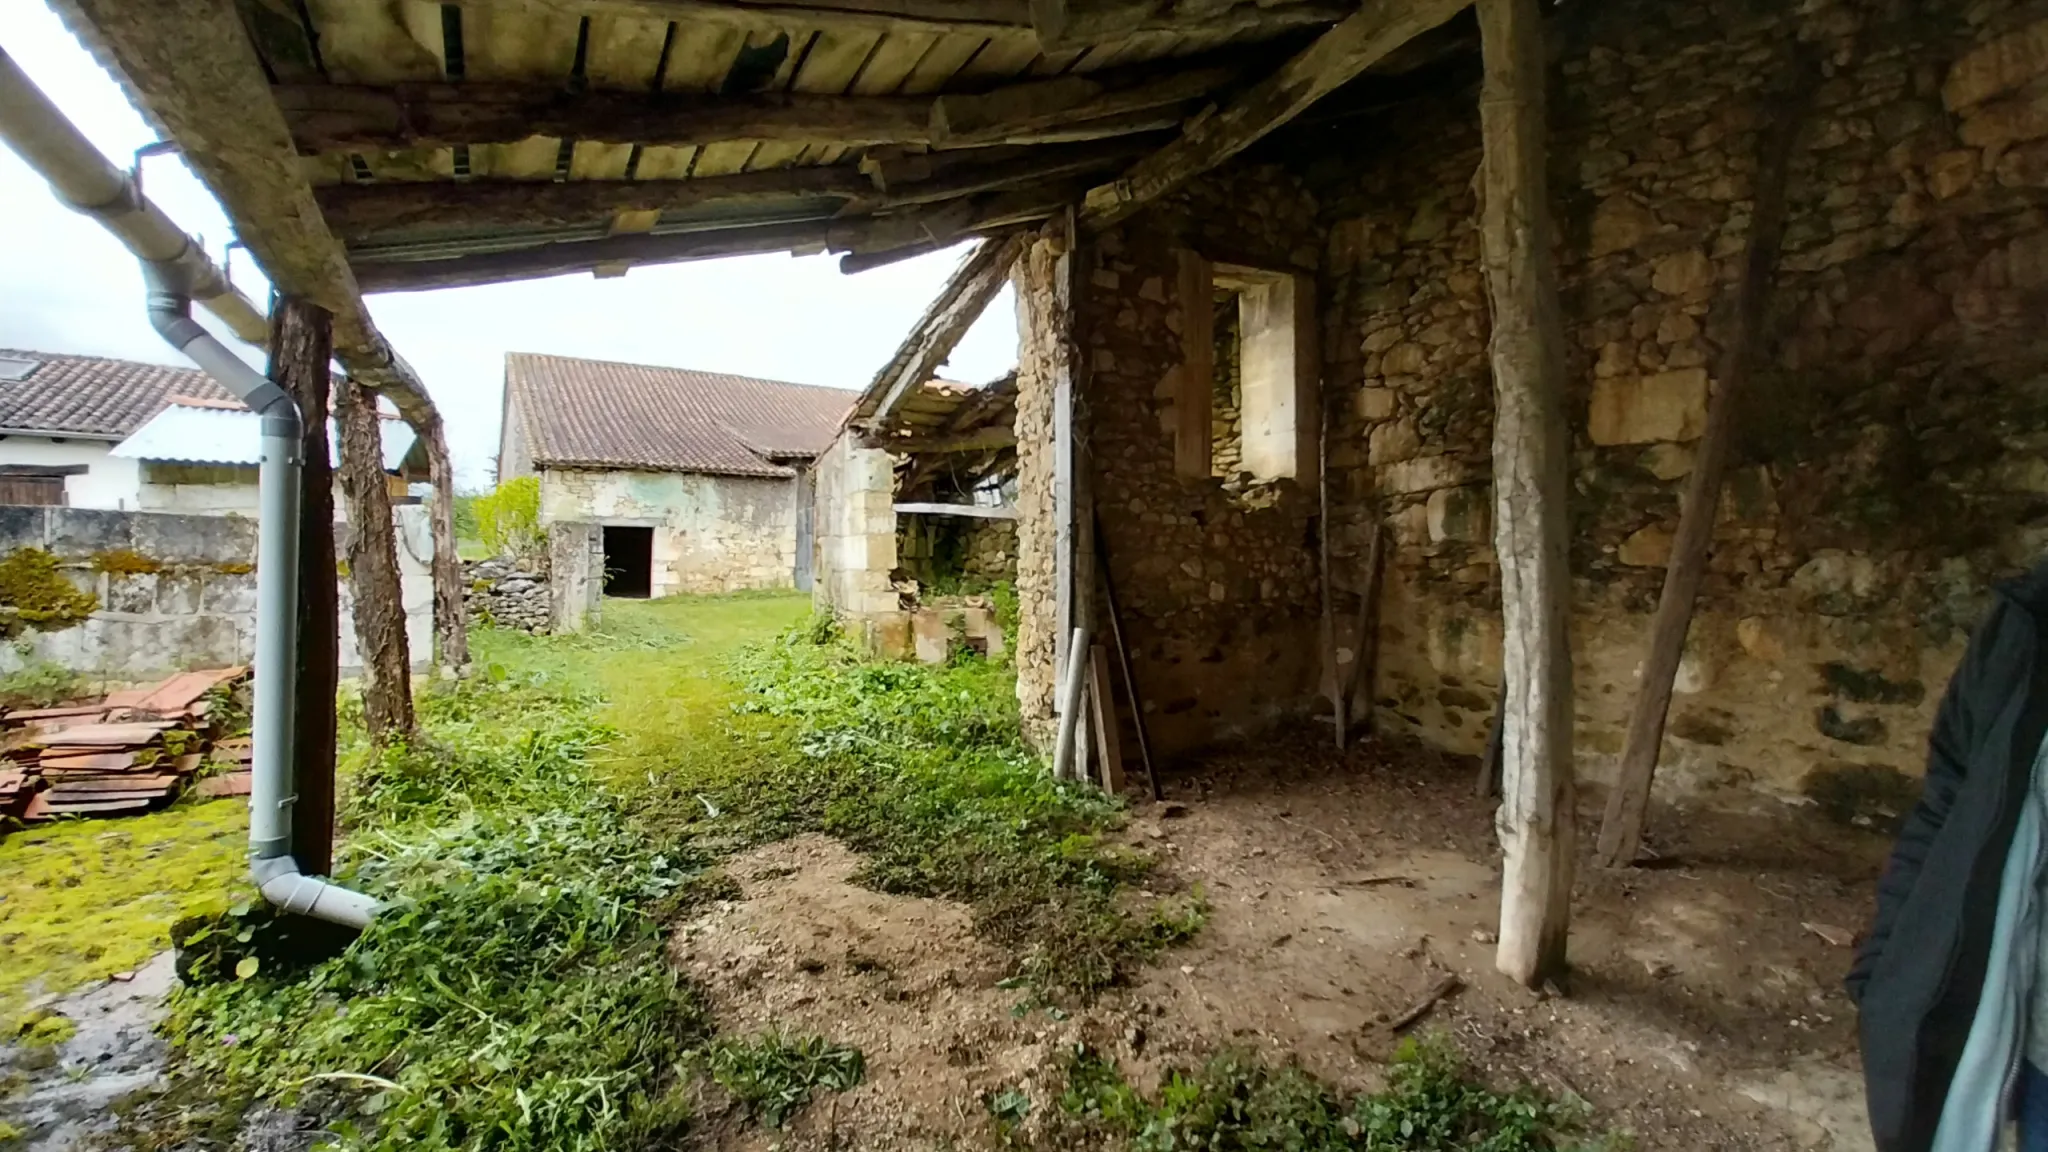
(290, 890)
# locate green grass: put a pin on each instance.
(1431, 1103)
(83, 899)
(773, 1076)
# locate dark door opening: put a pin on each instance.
(629, 562)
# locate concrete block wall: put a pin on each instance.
(179, 592)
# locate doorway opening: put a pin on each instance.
(628, 562)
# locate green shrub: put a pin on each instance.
(35, 595)
(508, 519)
(40, 684)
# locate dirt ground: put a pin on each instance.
(1704, 1009)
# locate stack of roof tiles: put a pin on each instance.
(133, 751)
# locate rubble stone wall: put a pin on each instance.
(711, 533)
(1889, 465)
(1215, 577)
(508, 594)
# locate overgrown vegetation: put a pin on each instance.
(512, 994)
(773, 1076)
(39, 683)
(1431, 1103)
(508, 518)
(83, 899)
(34, 594)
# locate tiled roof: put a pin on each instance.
(597, 414)
(91, 395)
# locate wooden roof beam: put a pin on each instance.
(958, 305)
(1340, 55)
(350, 117)
(363, 213)
(1094, 19)
(949, 223)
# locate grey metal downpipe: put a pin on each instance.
(272, 792)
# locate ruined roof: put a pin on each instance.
(91, 397)
(599, 414)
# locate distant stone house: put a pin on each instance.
(699, 481)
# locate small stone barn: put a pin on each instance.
(697, 481)
(1662, 379)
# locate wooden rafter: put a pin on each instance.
(360, 213)
(1337, 57)
(1100, 19)
(943, 225)
(348, 117)
(958, 305)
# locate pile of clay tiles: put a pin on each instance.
(132, 751)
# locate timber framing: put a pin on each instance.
(958, 305)
(343, 117)
(1340, 55)
(1091, 20)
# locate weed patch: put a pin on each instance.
(773, 1076)
(924, 770)
(1236, 1102)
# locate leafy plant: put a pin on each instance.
(35, 595)
(1237, 1102)
(508, 518)
(40, 684)
(773, 1076)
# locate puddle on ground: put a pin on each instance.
(68, 1091)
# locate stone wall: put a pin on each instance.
(1889, 463)
(1226, 401)
(506, 594)
(1215, 577)
(711, 533)
(856, 519)
(178, 592)
(1039, 358)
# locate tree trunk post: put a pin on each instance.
(1530, 445)
(301, 344)
(379, 603)
(1621, 829)
(451, 610)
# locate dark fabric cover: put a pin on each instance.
(1920, 972)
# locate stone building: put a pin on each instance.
(1887, 462)
(916, 524)
(698, 481)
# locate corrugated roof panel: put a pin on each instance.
(190, 435)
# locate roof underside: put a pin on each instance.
(438, 135)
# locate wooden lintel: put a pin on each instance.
(1334, 59)
(348, 117)
(958, 305)
(974, 511)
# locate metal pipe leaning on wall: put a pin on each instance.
(271, 864)
(1063, 766)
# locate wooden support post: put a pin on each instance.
(301, 344)
(1621, 829)
(451, 608)
(379, 605)
(1102, 710)
(1529, 475)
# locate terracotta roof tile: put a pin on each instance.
(92, 395)
(598, 414)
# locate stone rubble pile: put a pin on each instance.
(508, 595)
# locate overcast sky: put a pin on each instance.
(68, 286)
